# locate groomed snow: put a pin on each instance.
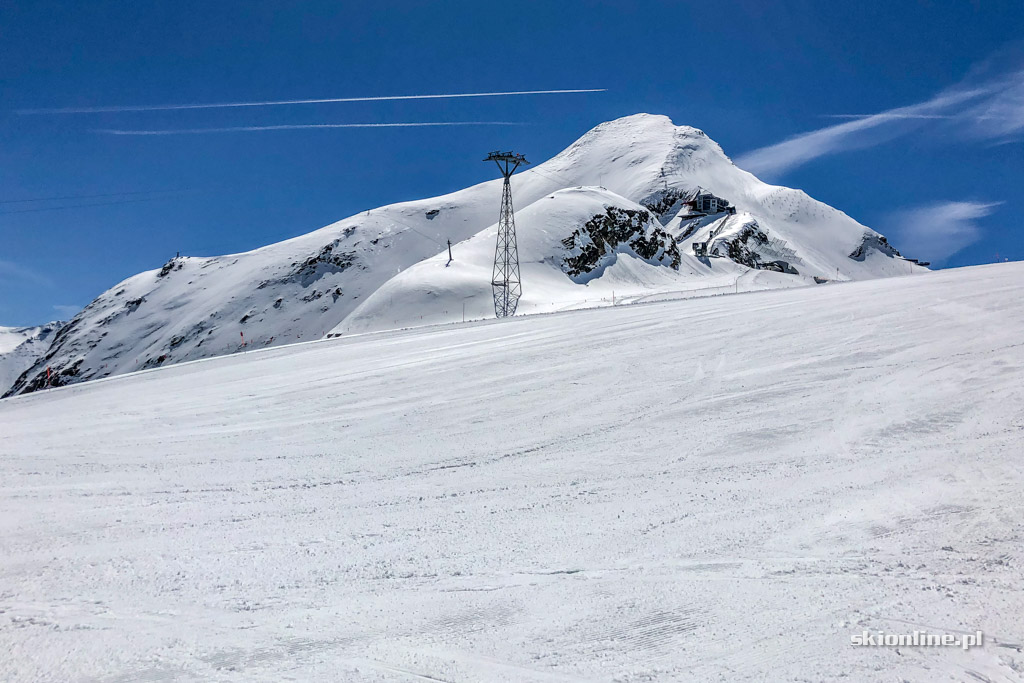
(725, 488)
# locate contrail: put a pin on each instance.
(887, 115)
(298, 126)
(80, 206)
(88, 196)
(277, 103)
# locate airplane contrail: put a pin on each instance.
(298, 126)
(88, 196)
(888, 115)
(276, 103)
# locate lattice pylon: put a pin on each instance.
(505, 283)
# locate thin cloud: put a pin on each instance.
(67, 312)
(937, 231)
(300, 126)
(12, 272)
(982, 106)
(1000, 117)
(279, 103)
(857, 133)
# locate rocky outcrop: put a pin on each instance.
(873, 241)
(593, 244)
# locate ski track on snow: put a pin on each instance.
(724, 488)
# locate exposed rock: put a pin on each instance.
(175, 263)
(603, 235)
(872, 240)
(664, 204)
(133, 304)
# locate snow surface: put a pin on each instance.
(21, 347)
(636, 160)
(435, 290)
(305, 287)
(724, 488)
(11, 337)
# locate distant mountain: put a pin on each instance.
(21, 347)
(636, 208)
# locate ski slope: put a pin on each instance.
(723, 488)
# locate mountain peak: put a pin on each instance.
(653, 187)
(654, 129)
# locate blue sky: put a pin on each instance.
(939, 172)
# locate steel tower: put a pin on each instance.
(505, 282)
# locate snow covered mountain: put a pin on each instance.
(656, 197)
(21, 347)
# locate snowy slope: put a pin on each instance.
(21, 347)
(438, 291)
(303, 288)
(649, 161)
(725, 488)
(12, 337)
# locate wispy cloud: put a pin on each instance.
(66, 312)
(278, 103)
(857, 133)
(1001, 116)
(12, 272)
(937, 231)
(987, 104)
(300, 126)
